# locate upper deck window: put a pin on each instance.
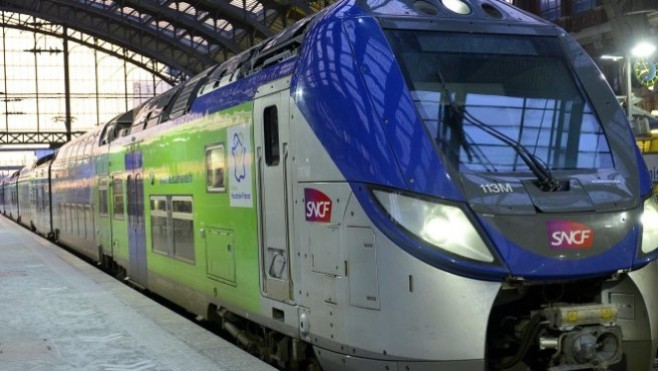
(457, 6)
(519, 85)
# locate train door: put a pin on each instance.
(104, 228)
(271, 135)
(135, 203)
(42, 196)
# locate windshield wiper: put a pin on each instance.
(455, 122)
(545, 179)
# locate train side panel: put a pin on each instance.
(11, 196)
(73, 219)
(40, 186)
(24, 197)
(102, 198)
(2, 195)
(200, 230)
(117, 217)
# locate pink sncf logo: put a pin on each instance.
(318, 206)
(564, 234)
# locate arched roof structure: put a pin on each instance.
(172, 39)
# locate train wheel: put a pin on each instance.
(313, 365)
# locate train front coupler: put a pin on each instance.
(565, 337)
(582, 336)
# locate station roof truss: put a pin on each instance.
(171, 39)
(19, 139)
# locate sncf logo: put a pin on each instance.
(318, 206)
(564, 234)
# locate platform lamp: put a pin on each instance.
(641, 52)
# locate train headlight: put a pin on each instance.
(443, 226)
(650, 225)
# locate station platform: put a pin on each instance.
(58, 312)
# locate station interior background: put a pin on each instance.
(59, 81)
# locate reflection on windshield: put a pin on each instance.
(518, 85)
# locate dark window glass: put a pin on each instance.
(117, 196)
(160, 225)
(215, 164)
(172, 226)
(519, 86)
(271, 129)
(102, 202)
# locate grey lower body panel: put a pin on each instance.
(638, 355)
(343, 362)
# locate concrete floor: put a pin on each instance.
(58, 312)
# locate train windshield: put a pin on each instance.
(518, 86)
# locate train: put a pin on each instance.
(384, 185)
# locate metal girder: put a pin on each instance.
(192, 46)
(10, 168)
(237, 16)
(54, 139)
(28, 23)
(190, 24)
(116, 29)
(173, 39)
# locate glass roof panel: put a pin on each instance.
(129, 12)
(163, 25)
(200, 15)
(218, 25)
(33, 99)
(198, 40)
(209, 22)
(252, 6)
(186, 8)
(224, 25)
(102, 3)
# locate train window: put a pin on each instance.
(183, 228)
(37, 199)
(152, 120)
(160, 225)
(102, 140)
(122, 132)
(518, 87)
(215, 165)
(86, 152)
(130, 195)
(139, 201)
(89, 222)
(184, 239)
(172, 226)
(158, 204)
(181, 206)
(140, 124)
(457, 6)
(271, 131)
(103, 209)
(62, 220)
(66, 222)
(70, 218)
(181, 104)
(45, 198)
(79, 224)
(117, 197)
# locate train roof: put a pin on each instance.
(285, 46)
(484, 10)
